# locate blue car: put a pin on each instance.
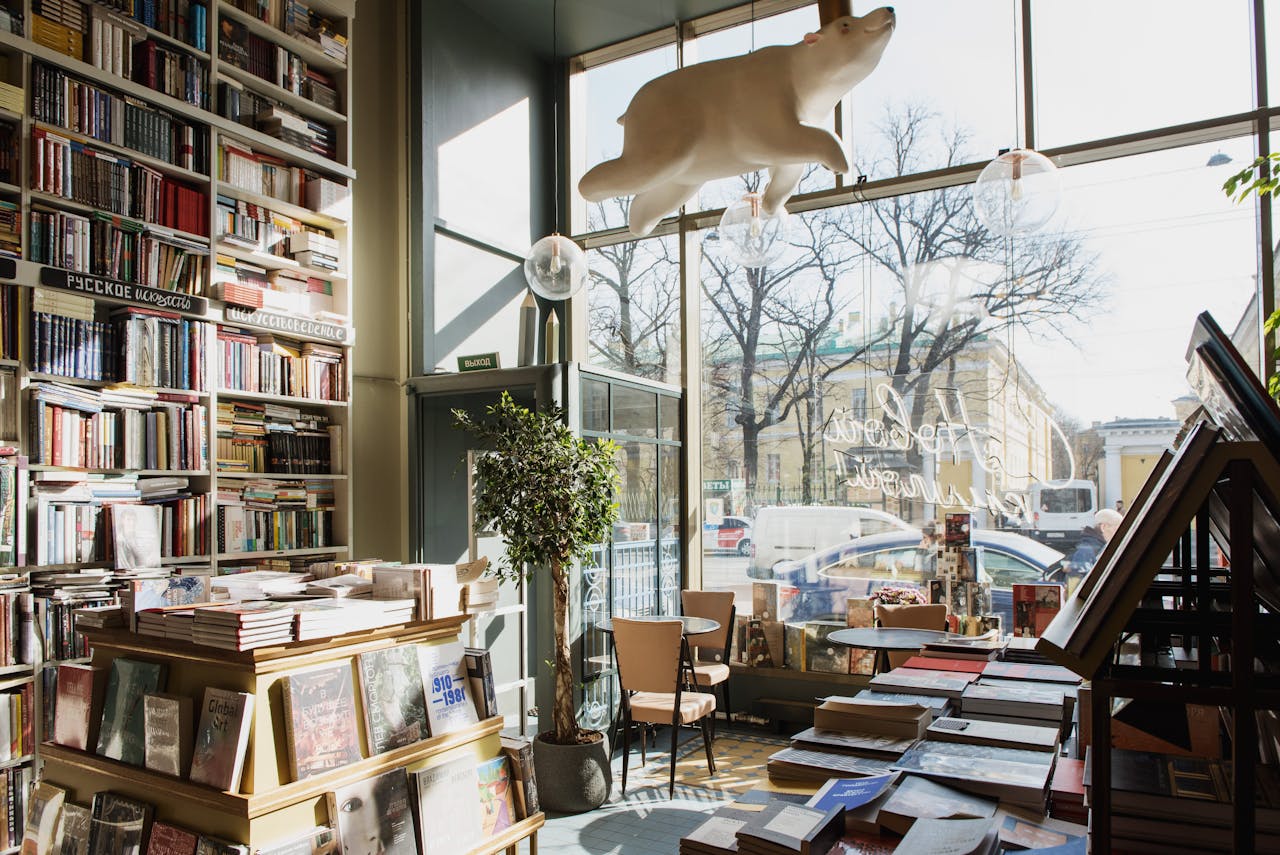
(824, 579)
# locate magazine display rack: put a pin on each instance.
(271, 806)
(1157, 583)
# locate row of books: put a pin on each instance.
(245, 530)
(264, 174)
(305, 133)
(13, 307)
(17, 623)
(269, 61)
(185, 20)
(13, 496)
(297, 19)
(160, 349)
(251, 438)
(172, 72)
(10, 229)
(86, 108)
(81, 518)
(259, 229)
(15, 788)
(17, 722)
(116, 428)
(268, 364)
(10, 159)
(72, 170)
(253, 286)
(109, 246)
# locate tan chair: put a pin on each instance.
(717, 606)
(650, 669)
(910, 616)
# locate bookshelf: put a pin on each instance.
(166, 132)
(270, 806)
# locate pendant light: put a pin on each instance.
(556, 267)
(1017, 193)
(747, 235)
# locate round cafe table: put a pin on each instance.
(883, 639)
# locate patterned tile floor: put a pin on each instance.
(646, 822)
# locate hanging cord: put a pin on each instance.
(555, 116)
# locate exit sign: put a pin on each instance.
(479, 362)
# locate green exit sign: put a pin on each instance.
(479, 362)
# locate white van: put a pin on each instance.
(1060, 510)
(789, 533)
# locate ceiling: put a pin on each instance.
(584, 25)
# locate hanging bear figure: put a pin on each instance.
(733, 116)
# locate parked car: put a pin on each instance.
(1060, 510)
(731, 534)
(857, 568)
(786, 533)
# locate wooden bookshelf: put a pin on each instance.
(271, 806)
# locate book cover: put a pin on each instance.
(936, 683)
(374, 816)
(919, 798)
(76, 824)
(480, 675)
(161, 593)
(996, 734)
(1024, 829)
(519, 751)
(79, 690)
(44, 817)
(222, 738)
(849, 742)
(766, 601)
(1034, 608)
(803, 764)
(717, 833)
(819, 654)
(168, 727)
(316, 841)
(851, 793)
(497, 801)
(449, 812)
(758, 654)
(1010, 774)
(395, 708)
(860, 612)
(320, 719)
(166, 839)
(444, 677)
(135, 530)
(793, 828)
(121, 734)
(119, 825)
(956, 531)
(1034, 673)
(949, 837)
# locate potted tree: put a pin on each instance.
(550, 495)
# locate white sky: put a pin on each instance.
(1169, 239)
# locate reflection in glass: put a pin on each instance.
(635, 411)
(634, 308)
(595, 405)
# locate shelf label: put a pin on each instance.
(143, 295)
(287, 324)
(8, 268)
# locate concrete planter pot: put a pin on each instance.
(572, 778)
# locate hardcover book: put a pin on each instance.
(320, 719)
(497, 798)
(76, 825)
(168, 727)
(444, 677)
(918, 798)
(166, 839)
(859, 797)
(80, 689)
(121, 735)
(449, 814)
(374, 816)
(119, 825)
(222, 739)
(519, 751)
(785, 827)
(395, 710)
(480, 675)
(1008, 774)
(44, 818)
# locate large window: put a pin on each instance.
(900, 361)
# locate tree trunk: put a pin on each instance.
(751, 459)
(566, 726)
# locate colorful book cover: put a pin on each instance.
(121, 736)
(860, 612)
(119, 825)
(1034, 608)
(444, 677)
(449, 812)
(374, 816)
(395, 707)
(44, 816)
(166, 839)
(320, 715)
(76, 824)
(497, 797)
(167, 725)
(956, 533)
(73, 707)
(222, 738)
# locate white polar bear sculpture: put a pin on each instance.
(732, 116)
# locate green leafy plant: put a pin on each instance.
(550, 495)
(1259, 178)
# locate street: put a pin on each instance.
(726, 571)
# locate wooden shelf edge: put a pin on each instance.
(251, 806)
(511, 836)
(738, 669)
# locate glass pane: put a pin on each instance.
(595, 405)
(851, 400)
(669, 417)
(785, 29)
(634, 308)
(669, 580)
(951, 117)
(1148, 64)
(601, 95)
(635, 411)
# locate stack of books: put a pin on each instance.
(718, 834)
(12, 98)
(996, 734)
(782, 828)
(1011, 775)
(939, 706)
(258, 584)
(856, 744)
(325, 617)
(244, 626)
(982, 649)
(1016, 702)
(919, 798)
(1066, 792)
(905, 720)
(1024, 650)
(803, 765)
(942, 684)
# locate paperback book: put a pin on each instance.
(444, 678)
(480, 676)
(76, 826)
(320, 720)
(1010, 775)
(449, 814)
(394, 706)
(122, 732)
(222, 739)
(79, 691)
(119, 825)
(781, 827)
(168, 728)
(166, 839)
(44, 817)
(861, 799)
(919, 798)
(497, 797)
(375, 816)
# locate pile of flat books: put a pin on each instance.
(325, 617)
(942, 684)
(1012, 775)
(783, 828)
(978, 648)
(1019, 702)
(243, 625)
(904, 719)
(1163, 802)
(1066, 792)
(1024, 650)
(803, 765)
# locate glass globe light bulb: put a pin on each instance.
(555, 267)
(1017, 193)
(751, 237)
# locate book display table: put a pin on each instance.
(270, 806)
